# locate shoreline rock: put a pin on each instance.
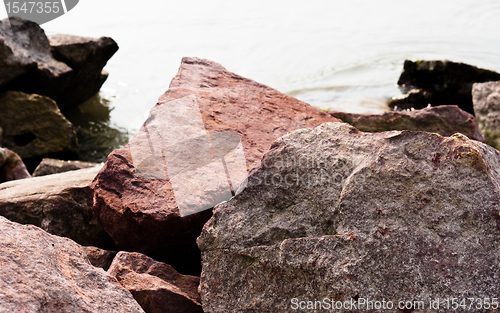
(35, 128)
(365, 215)
(41, 272)
(486, 98)
(60, 204)
(11, 166)
(52, 166)
(140, 212)
(156, 286)
(65, 68)
(439, 82)
(445, 120)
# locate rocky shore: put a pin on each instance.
(234, 197)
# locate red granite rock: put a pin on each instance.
(445, 120)
(156, 286)
(40, 272)
(140, 212)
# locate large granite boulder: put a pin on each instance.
(134, 192)
(156, 286)
(60, 204)
(41, 272)
(445, 120)
(334, 213)
(35, 128)
(26, 62)
(440, 83)
(67, 68)
(486, 98)
(87, 57)
(11, 166)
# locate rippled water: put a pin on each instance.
(343, 55)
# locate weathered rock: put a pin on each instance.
(11, 166)
(60, 204)
(156, 286)
(26, 63)
(445, 120)
(140, 212)
(45, 273)
(336, 213)
(35, 128)
(87, 57)
(486, 98)
(100, 257)
(53, 166)
(67, 69)
(440, 83)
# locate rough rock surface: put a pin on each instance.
(52, 166)
(34, 128)
(26, 63)
(141, 213)
(100, 257)
(67, 69)
(87, 57)
(156, 286)
(440, 83)
(337, 213)
(445, 120)
(60, 204)
(486, 98)
(11, 166)
(45, 273)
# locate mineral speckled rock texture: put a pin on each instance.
(41, 272)
(140, 213)
(336, 213)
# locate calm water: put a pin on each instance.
(344, 55)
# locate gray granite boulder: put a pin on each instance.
(334, 213)
(41, 272)
(486, 98)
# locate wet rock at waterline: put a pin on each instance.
(336, 213)
(11, 166)
(41, 272)
(445, 120)
(486, 97)
(34, 128)
(87, 57)
(52, 166)
(60, 204)
(440, 83)
(134, 195)
(156, 286)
